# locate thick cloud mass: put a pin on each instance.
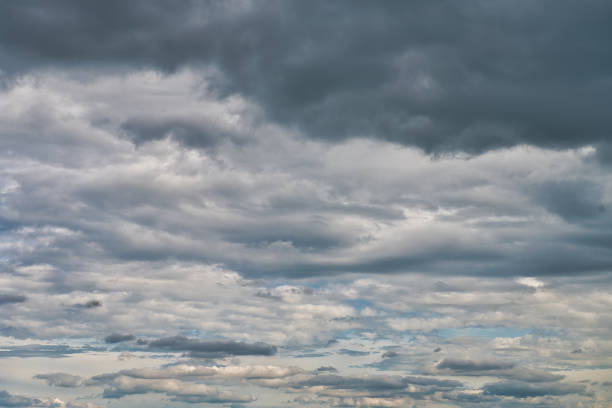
(324, 203)
(443, 76)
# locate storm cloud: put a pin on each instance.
(438, 75)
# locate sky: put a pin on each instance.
(316, 204)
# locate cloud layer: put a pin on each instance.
(440, 76)
(326, 204)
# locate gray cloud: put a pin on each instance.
(407, 176)
(573, 200)
(328, 369)
(176, 390)
(40, 350)
(118, 338)
(469, 365)
(196, 347)
(371, 390)
(525, 390)
(292, 208)
(11, 298)
(495, 368)
(90, 304)
(185, 371)
(60, 379)
(375, 383)
(441, 76)
(9, 400)
(16, 332)
(354, 353)
(390, 354)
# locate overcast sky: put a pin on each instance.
(277, 204)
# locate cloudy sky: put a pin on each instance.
(306, 204)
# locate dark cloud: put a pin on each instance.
(11, 298)
(328, 369)
(469, 365)
(268, 295)
(183, 130)
(443, 76)
(525, 390)
(354, 353)
(196, 347)
(8, 400)
(60, 379)
(578, 200)
(90, 304)
(118, 338)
